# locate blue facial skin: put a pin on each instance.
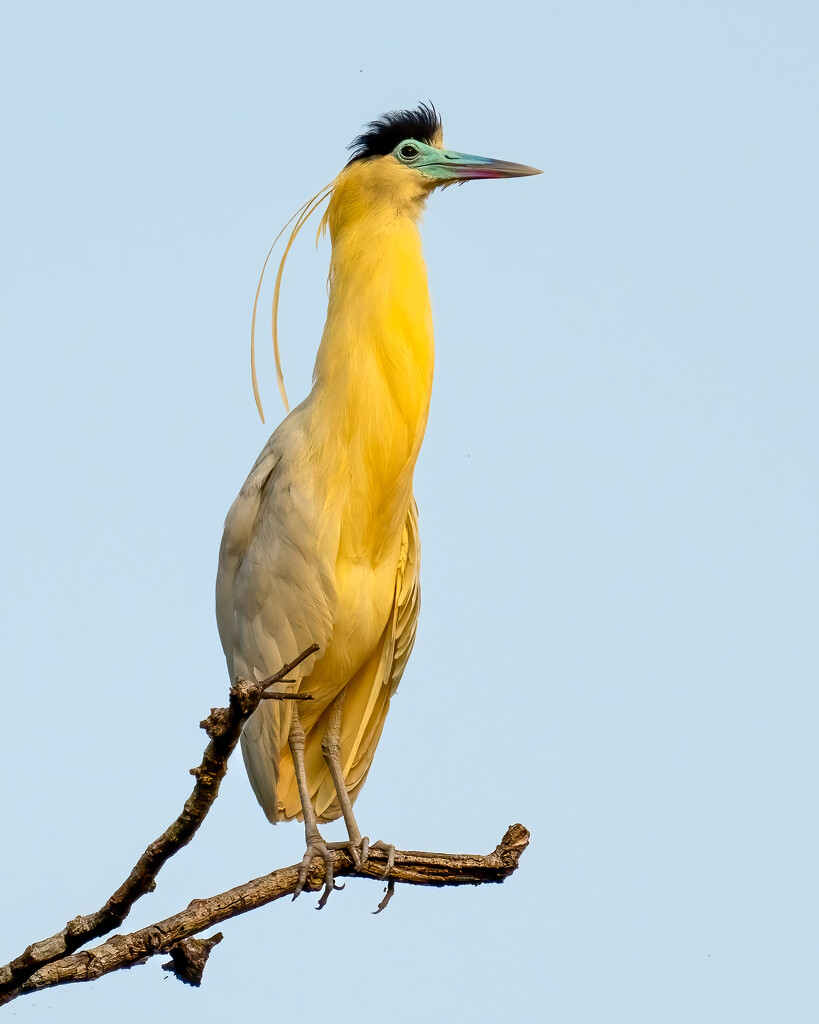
(447, 165)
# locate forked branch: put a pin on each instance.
(224, 727)
(174, 934)
(55, 960)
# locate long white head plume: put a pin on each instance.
(301, 216)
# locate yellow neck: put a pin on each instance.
(373, 373)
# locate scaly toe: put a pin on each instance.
(317, 848)
(389, 849)
(358, 851)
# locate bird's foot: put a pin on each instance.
(360, 851)
(316, 847)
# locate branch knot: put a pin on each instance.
(189, 957)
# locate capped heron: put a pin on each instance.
(321, 545)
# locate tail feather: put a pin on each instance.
(366, 703)
(263, 739)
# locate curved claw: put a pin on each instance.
(389, 849)
(359, 852)
(389, 892)
(317, 847)
(329, 886)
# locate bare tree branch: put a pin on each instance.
(223, 726)
(54, 961)
(174, 934)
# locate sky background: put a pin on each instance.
(618, 494)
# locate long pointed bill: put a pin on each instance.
(447, 165)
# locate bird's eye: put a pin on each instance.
(408, 151)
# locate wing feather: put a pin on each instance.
(369, 692)
(275, 596)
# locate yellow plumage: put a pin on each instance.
(321, 546)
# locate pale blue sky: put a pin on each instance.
(618, 493)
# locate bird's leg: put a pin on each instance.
(315, 842)
(359, 846)
(331, 748)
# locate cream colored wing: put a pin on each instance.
(275, 596)
(368, 696)
(237, 535)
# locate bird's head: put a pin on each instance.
(400, 158)
(395, 164)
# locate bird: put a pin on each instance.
(321, 546)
